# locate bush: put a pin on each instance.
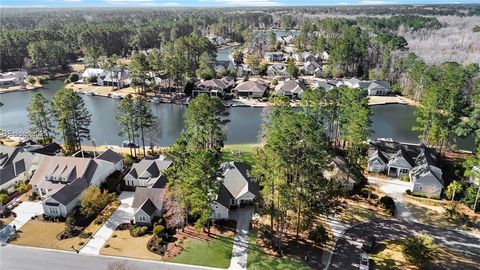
(107, 245)
(73, 77)
(158, 230)
(389, 204)
(138, 231)
(420, 250)
(319, 235)
(22, 188)
(3, 198)
(408, 191)
(405, 178)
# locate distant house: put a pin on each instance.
(353, 82)
(475, 177)
(291, 88)
(217, 40)
(400, 159)
(118, 77)
(312, 68)
(378, 88)
(146, 172)
(324, 84)
(254, 89)
(214, 87)
(16, 166)
(236, 189)
(275, 56)
(13, 78)
(339, 173)
(277, 70)
(60, 180)
(148, 204)
(91, 73)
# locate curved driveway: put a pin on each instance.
(348, 248)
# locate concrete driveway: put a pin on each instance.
(243, 216)
(25, 211)
(123, 214)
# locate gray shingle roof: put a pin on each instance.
(148, 207)
(156, 195)
(110, 156)
(71, 191)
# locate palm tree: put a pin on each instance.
(368, 189)
(454, 188)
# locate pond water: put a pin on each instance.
(388, 121)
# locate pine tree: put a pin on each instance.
(40, 117)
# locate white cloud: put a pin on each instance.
(376, 2)
(72, 0)
(167, 4)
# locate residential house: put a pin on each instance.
(217, 40)
(16, 166)
(400, 160)
(214, 87)
(253, 89)
(475, 177)
(291, 88)
(13, 78)
(378, 88)
(275, 56)
(60, 180)
(118, 77)
(277, 70)
(91, 73)
(148, 204)
(337, 171)
(312, 68)
(354, 82)
(236, 189)
(146, 172)
(324, 84)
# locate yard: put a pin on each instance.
(240, 152)
(216, 252)
(44, 234)
(389, 256)
(258, 259)
(122, 244)
(359, 211)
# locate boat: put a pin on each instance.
(116, 96)
(155, 100)
(89, 93)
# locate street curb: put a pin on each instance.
(335, 245)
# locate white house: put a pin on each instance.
(12, 78)
(146, 172)
(147, 205)
(92, 73)
(275, 56)
(378, 88)
(291, 88)
(236, 189)
(60, 180)
(118, 77)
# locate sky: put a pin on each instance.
(206, 3)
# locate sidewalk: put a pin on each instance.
(240, 242)
(25, 211)
(123, 214)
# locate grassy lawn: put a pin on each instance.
(359, 211)
(389, 256)
(245, 150)
(124, 245)
(213, 253)
(44, 234)
(259, 260)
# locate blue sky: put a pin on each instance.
(200, 3)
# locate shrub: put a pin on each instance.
(81, 243)
(408, 191)
(31, 80)
(107, 245)
(73, 77)
(158, 230)
(389, 204)
(138, 231)
(3, 198)
(22, 188)
(319, 235)
(405, 178)
(420, 250)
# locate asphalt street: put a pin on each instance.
(26, 258)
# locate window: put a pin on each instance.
(54, 211)
(142, 218)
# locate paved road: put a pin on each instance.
(240, 242)
(348, 248)
(25, 211)
(26, 258)
(123, 214)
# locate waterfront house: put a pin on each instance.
(253, 89)
(214, 87)
(60, 180)
(13, 78)
(236, 189)
(91, 73)
(378, 88)
(147, 172)
(118, 77)
(16, 166)
(291, 88)
(415, 163)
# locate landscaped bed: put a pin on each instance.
(389, 256)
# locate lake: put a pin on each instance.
(388, 121)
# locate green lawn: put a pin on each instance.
(214, 253)
(259, 260)
(245, 152)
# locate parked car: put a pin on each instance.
(364, 263)
(130, 144)
(369, 244)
